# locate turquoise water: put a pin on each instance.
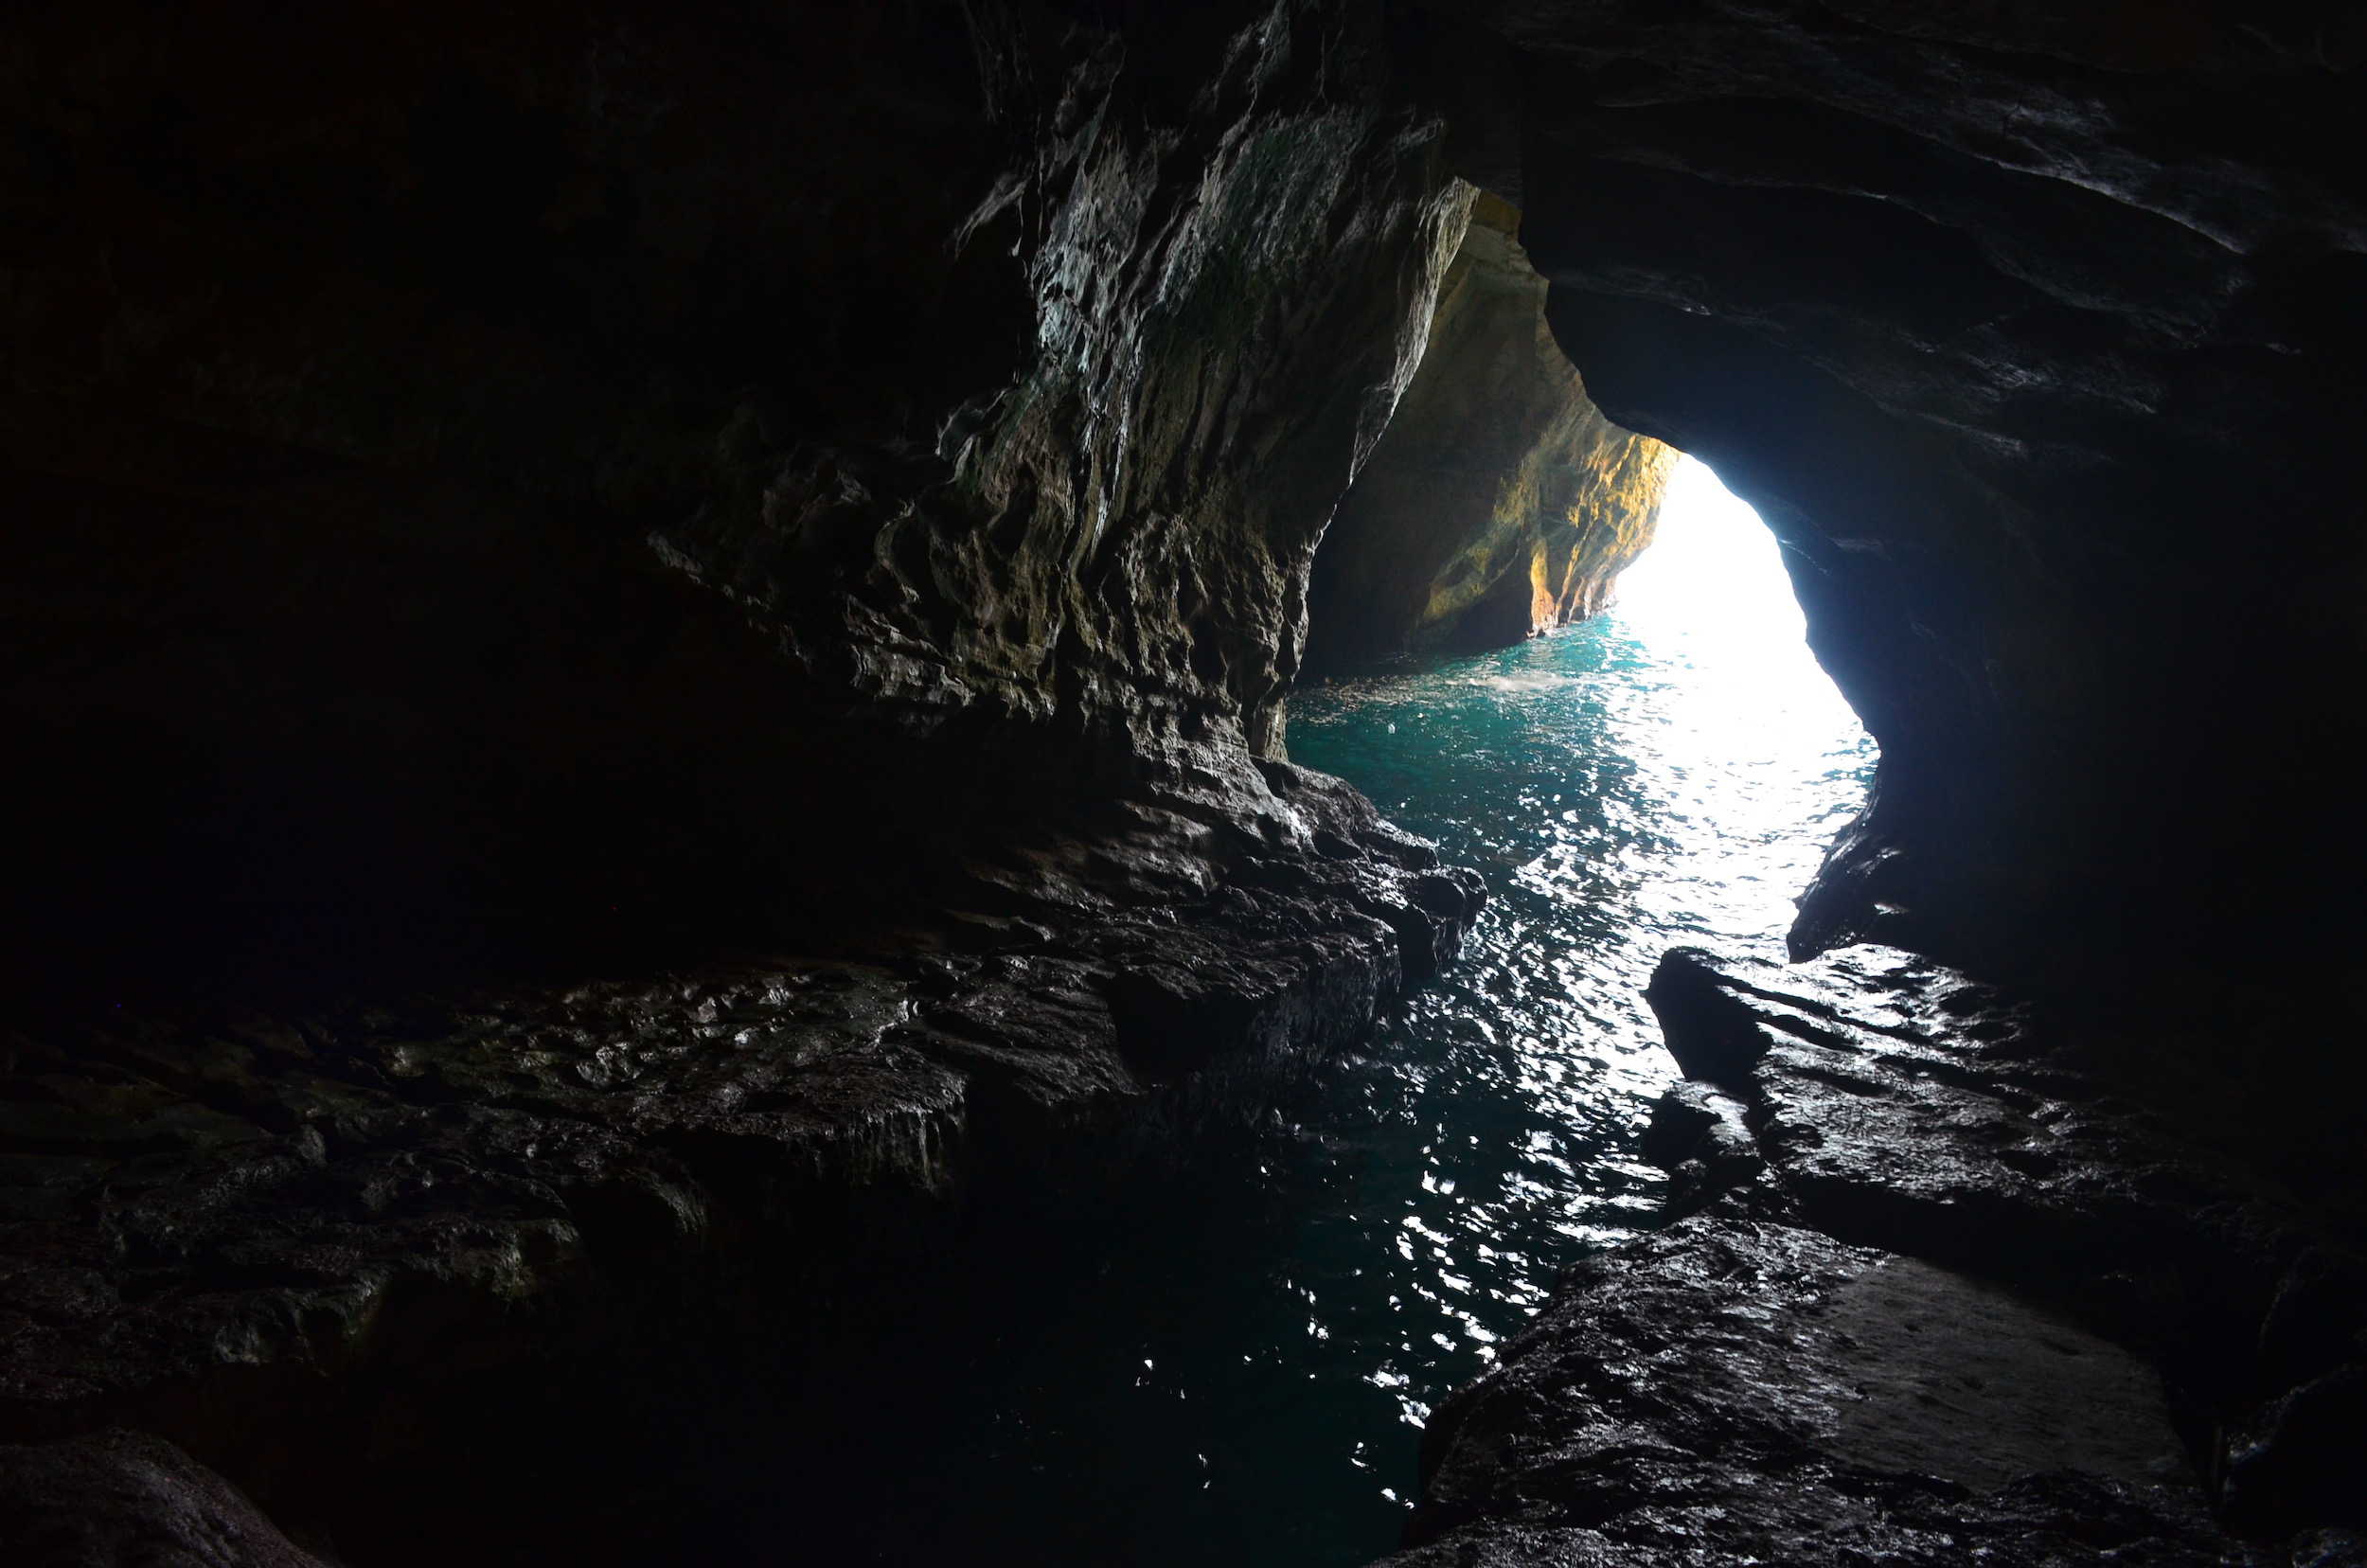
(1242, 1377)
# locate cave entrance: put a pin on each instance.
(1667, 772)
(1753, 756)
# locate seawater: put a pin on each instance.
(1242, 1374)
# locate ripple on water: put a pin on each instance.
(1624, 789)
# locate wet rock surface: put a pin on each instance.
(1932, 1291)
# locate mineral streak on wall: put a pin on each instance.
(1501, 502)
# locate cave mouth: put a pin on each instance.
(1714, 577)
(1750, 741)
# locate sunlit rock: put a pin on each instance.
(1499, 503)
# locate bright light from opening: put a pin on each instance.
(1713, 573)
(1747, 728)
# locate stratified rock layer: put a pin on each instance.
(1499, 503)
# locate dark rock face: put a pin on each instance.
(1934, 1291)
(2010, 324)
(523, 436)
(1499, 502)
(654, 650)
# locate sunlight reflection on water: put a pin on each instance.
(1669, 773)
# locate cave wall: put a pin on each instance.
(1499, 503)
(2034, 336)
(580, 475)
(646, 663)
(452, 443)
(789, 476)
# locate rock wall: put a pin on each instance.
(2011, 326)
(650, 640)
(504, 459)
(643, 655)
(1499, 503)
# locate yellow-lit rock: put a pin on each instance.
(1501, 502)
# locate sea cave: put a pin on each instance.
(796, 782)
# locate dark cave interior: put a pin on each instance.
(647, 670)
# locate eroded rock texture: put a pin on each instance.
(386, 1264)
(646, 469)
(1501, 502)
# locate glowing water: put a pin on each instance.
(1667, 774)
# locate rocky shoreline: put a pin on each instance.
(1936, 1289)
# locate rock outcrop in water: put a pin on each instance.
(1939, 1288)
(1499, 502)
